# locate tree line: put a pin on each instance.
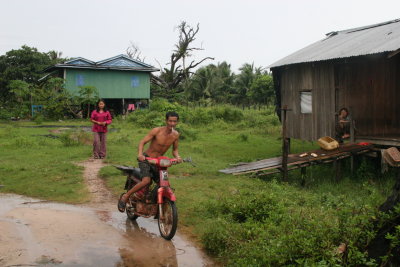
(182, 80)
(22, 85)
(217, 84)
(211, 84)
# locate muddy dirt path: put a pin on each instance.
(42, 233)
(99, 194)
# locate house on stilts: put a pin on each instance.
(120, 80)
(358, 69)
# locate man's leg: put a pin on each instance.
(145, 181)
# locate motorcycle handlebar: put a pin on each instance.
(173, 160)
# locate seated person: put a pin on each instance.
(343, 125)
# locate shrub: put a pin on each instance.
(243, 137)
(73, 138)
(5, 114)
(186, 133)
(162, 105)
(277, 225)
(147, 118)
(221, 115)
(23, 141)
(38, 119)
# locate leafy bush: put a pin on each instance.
(73, 138)
(147, 118)
(206, 115)
(163, 106)
(186, 133)
(24, 142)
(5, 114)
(277, 225)
(243, 137)
(38, 119)
(218, 116)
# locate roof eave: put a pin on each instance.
(62, 66)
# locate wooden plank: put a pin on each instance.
(295, 159)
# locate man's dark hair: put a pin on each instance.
(171, 114)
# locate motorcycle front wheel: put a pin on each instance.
(169, 221)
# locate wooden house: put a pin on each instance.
(119, 80)
(356, 68)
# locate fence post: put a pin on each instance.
(285, 146)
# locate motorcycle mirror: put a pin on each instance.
(189, 160)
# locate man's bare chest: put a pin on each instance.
(164, 140)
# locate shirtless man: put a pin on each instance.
(161, 139)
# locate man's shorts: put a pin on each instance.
(149, 170)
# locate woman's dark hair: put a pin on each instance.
(97, 105)
(344, 109)
(171, 114)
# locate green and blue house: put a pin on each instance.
(121, 81)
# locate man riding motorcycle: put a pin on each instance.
(161, 139)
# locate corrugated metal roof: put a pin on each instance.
(372, 39)
(120, 62)
(80, 61)
(123, 61)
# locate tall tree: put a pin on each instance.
(243, 83)
(25, 64)
(89, 96)
(179, 69)
(262, 90)
(212, 82)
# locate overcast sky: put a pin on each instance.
(235, 31)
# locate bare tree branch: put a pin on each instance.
(178, 70)
(134, 52)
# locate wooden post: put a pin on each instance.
(123, 106)
(338, 170)
(285, 146)
(303, 176)
(352, 139)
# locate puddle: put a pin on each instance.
(41, 233)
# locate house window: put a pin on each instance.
(135, 81)
(80, 81)
(306, 102)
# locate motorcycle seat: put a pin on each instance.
(129, 170)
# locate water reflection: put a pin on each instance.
(42, 233)
(146, 249)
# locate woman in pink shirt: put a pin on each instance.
(100, 117)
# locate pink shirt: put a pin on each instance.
(101, 117)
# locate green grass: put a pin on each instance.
(282, 223)
(39, 166)
(240, 220)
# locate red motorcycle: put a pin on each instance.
(154, 200)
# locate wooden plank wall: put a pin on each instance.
(319, 79)
(370, 88)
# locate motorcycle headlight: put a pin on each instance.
(165, 163)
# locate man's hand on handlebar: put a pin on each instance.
(141, 158)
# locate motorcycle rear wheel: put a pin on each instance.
(168, 224)
(131, 215)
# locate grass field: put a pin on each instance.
(240, 220)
